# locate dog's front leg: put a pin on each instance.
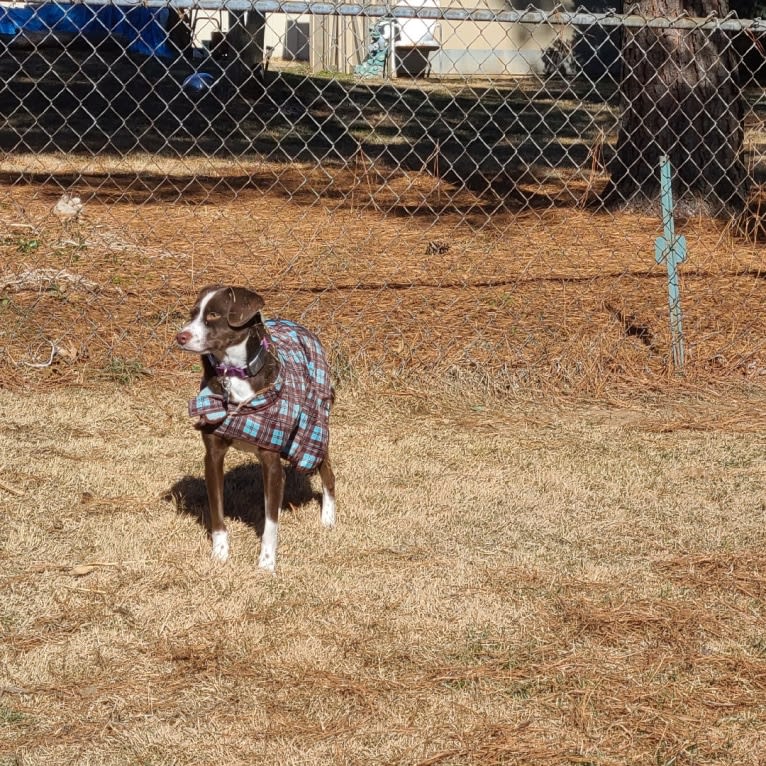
(273, 489)
(215, 452)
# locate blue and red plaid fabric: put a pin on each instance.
(292, 416)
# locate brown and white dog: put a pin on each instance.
(248, 365)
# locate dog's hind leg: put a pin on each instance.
(215, 452)
(273, 490)
(328, 493)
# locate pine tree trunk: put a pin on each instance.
(680, 97)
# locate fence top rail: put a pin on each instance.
(530, 15)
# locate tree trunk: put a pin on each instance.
(680, 97)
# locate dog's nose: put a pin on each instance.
(183, 337)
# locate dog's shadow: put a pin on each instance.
(242, 495)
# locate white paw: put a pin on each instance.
(268, 557)
(328, 511)
(267, 562)
(221, 546)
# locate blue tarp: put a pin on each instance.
(139, 29)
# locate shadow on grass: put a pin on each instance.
(243, 495)
(483, 139)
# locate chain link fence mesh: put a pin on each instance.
(464, 193)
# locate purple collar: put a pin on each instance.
(253, 367)
(224, 371)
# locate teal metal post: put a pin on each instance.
(671, 249)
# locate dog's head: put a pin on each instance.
(220, 318)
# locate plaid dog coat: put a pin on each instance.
(292, 416)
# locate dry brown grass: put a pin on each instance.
(508, 583)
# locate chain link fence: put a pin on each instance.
(455, 193)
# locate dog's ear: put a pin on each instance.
(244, 304)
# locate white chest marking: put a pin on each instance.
(239, 390)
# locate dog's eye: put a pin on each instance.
(212, 316)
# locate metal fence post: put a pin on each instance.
(671, 249)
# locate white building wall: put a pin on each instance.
(464, 48)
